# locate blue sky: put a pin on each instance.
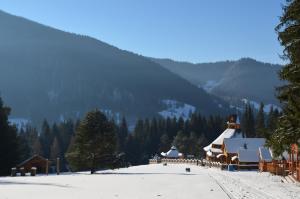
(185, 30)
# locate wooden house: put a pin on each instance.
(40, 163)
(247, 159)
(242, 152)
(232, 146)
(214, 151)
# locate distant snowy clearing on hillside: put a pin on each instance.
(150, 181)
(177, 109)
(256, 105)
(209, 85)
(19, 122)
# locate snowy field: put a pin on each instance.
(150, 181)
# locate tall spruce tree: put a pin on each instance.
(24, 145)
(122, 135)
(8, 142)
(55, 151)
(288, 130)
(46, 139)
(247, 122)
(260, 126)
(95, 143)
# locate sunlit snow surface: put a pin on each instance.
(176, 109)
(151, 181)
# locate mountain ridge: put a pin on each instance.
(231, 80)
(49, 73)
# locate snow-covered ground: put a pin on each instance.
(177, 109)
(150, 181)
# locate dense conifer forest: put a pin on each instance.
(149, 138)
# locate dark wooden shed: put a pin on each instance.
(37, 161)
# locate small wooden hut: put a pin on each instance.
(40, 163)
(265, 159)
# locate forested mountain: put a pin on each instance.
(48, 73)
(231, 80)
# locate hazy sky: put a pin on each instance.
(189, 30)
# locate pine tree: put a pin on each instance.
(272, 121)
(247, 122)
(37, 148)
(46, 138)
(288, 130)
(55, 151)
(9, 153)
(24, 145)
(181, 141)
(122, 135)
(260, 127)
(95, 143)
(164, 143)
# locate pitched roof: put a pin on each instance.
(228, 133)
(31, 158)
(172, 153)
(265, 154)
(248, 156)
(233, 145)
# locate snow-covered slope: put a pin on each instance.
(176, 109)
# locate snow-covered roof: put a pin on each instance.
(248, 156)
(233, 145)
(172, 153)
(220, 155)
(207, 148)
(228, 133)
(265, 154)
(209, 153)
(234, 158)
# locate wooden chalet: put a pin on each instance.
(247, 159)
(242, 152)
(214, 151)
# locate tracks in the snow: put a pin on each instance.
(235, 189)
(223, 188)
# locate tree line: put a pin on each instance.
(97, 141)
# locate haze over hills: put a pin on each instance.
(48, 73)
(234, 81)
